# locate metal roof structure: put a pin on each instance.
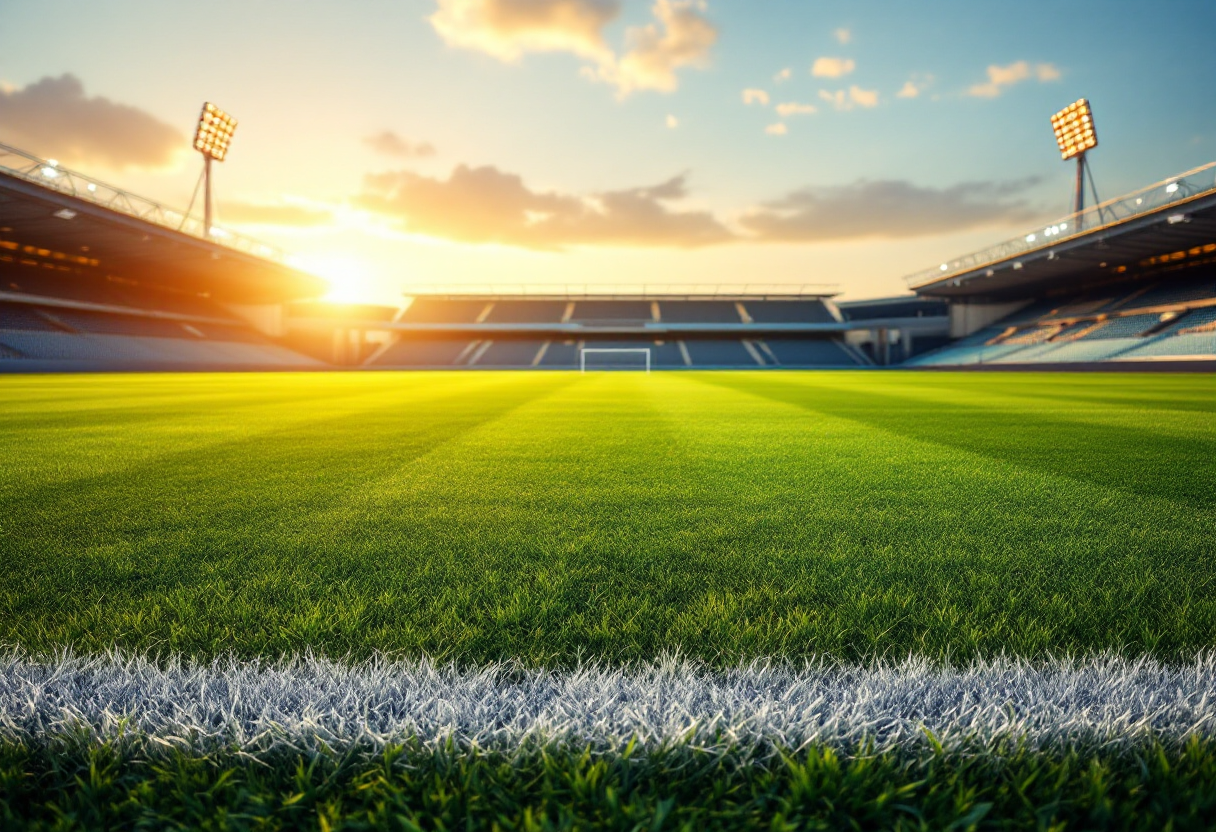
(627, 291)
(1173, 219)
(59, 219)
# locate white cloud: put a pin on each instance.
(855, 96)
(777, 129)
(754, 96)
(672, 122)
(1001, 77)
(842, 36)
(681, 36)
(832, 67)
(783, 75)
(793, 108)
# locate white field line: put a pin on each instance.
(307, 703)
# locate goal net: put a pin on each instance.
(610, 358)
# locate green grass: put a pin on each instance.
(549, 516)
(682, 789)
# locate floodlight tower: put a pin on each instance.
(211, 138)
(1074, 129)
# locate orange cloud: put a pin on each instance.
(832, 67)
(507, 29)
(754, 96)
(891, 208)
(487, 205)
(390, 144)
(855, 96)
(681, 36)
(53, 118)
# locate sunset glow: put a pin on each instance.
(584, 141)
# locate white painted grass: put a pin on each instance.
(308, 703)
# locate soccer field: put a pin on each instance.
(552, 517)
(462, 598)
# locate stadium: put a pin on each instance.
(744, 555)
(100, 279)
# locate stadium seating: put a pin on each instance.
(720, 353)
(444, 311)
(527, 311)
(700, 311)
(612, 311)
(788, 311)
(1152, 320)
(803, 352)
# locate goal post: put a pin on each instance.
(614, 358)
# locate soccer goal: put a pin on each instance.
(614, 358)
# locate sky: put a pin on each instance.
(398, 145)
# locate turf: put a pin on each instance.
(409, 788)
(552, 517)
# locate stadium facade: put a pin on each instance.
(95, 278)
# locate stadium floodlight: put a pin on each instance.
(212, 138)
(1075, 135)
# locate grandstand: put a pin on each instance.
(1125, 283)
(725, 329)
(95, 278)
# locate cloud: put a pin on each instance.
(681, 36)
(832, 67)
(255, 213)
(390, 144)
(908, 90)
(793, 108)
(1000, 77)
(672, 122)
(842, 36)
(783, 75)
(777, 129)
(507, 29)
(54, 118)
(487, 205)
(753, 96)
(888, 208)
(855, 96)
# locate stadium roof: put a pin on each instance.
(55, 216)
(1174, 219)
(640, 291)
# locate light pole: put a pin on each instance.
(1074, 129)
(211, 138)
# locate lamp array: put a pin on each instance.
(1074, 129)
(214, 133)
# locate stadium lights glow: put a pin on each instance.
(1074, 129)
(212, 138)
(214, 132)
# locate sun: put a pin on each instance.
(350, 278)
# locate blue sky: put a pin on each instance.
(608, 142)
